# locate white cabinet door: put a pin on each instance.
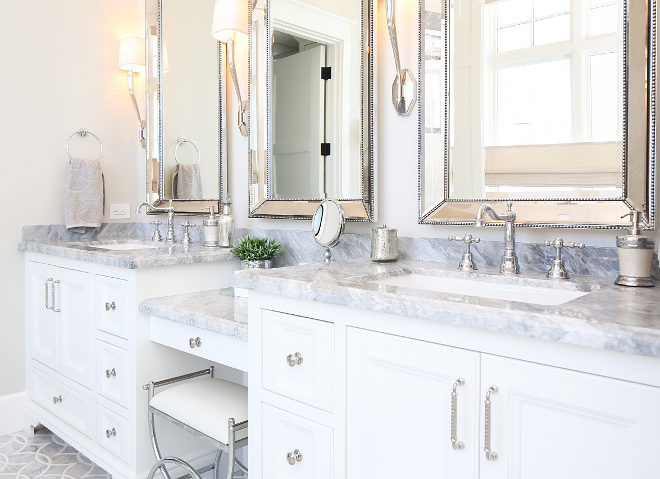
(550, 423)
(74, 296)
(399, 408)
(42, 325)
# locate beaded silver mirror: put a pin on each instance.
(546, 103)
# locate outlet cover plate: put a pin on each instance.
(120, 212)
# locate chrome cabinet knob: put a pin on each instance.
(293, 457)
(110, 433)
(110, 373)
(293, 359)
(195, 342)
(110, 306)
(57, 399)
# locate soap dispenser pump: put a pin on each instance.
(635, 255)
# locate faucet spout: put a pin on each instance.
(510, 260)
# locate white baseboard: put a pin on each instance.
(11, 419)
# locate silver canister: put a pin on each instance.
(384, 244)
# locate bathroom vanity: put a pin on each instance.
(88, 351)
(359, 371)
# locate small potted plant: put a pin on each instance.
(256, 253)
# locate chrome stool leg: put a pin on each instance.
(161, 465)
(216, 467)
(152, 433)
(231, 449)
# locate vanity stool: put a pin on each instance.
(206, 408)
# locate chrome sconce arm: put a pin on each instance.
(141, 123)
(404, 88)
(242, 105)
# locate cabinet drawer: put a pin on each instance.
(112, 432)
(112, 372)
(111, 306)
(70, 406)
(298, 358)
(296, 448)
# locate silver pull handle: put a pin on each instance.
(46, 292)
(110, 373)
(293, 359)
(53, 297)
(490, 455)
(455, 444)
(110, 432)
(57, 399)
(293, 457)
(110, 306)
(195, 342)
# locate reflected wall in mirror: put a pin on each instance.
(544, 102)
(310, 107)
(186, 145)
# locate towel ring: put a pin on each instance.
(82, 133)
(182, 140)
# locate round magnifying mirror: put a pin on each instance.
(328, 225)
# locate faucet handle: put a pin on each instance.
(156, 236)
(186, 236)
(557, 270)
(466, 263)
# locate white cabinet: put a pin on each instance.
(415, 398)
(60, 301)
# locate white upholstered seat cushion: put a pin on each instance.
(205, 405)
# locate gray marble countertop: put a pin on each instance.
(160, 255)
(608, 317)
(218, 311)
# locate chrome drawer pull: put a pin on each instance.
(110, 306)
(46, 293)
(293, 359)
(293, 457)
(110, 373)
(490, 455)
(455, 444)
(110, 432)
(53, 297)
(195, 342)
(57, 399)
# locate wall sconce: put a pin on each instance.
(404, 88)
(131, 58)
(229, 18)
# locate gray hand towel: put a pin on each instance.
(187, 182)
(85, 196)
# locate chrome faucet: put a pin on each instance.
(510, 261)
(169, 209)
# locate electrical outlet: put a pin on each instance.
(120, 212)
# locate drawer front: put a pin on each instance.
(298, 358)
(111, 306)
(70, 406)
(294, 447)
(112, 372)
(112, 432)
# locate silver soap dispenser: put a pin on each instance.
(635, 255)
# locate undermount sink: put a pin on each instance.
(123, 246)
(545, 296)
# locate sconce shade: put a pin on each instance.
(229, 17)
(131, 54)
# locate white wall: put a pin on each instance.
(59, 72)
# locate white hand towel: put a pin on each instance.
(187, 182)
(85, 196)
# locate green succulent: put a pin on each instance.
(256, 249)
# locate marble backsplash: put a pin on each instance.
(300, 247)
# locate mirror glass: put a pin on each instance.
(542, 102)
(328, 223)
(185, 147)
(310, 115)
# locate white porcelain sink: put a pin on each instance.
(122, 246)
(485, 289)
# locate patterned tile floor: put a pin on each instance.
(44, 456)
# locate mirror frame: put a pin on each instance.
(154, 121)
(362, 209)
(585, 213)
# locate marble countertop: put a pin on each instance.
(608, 317)
(218, 311)
(160, 255)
